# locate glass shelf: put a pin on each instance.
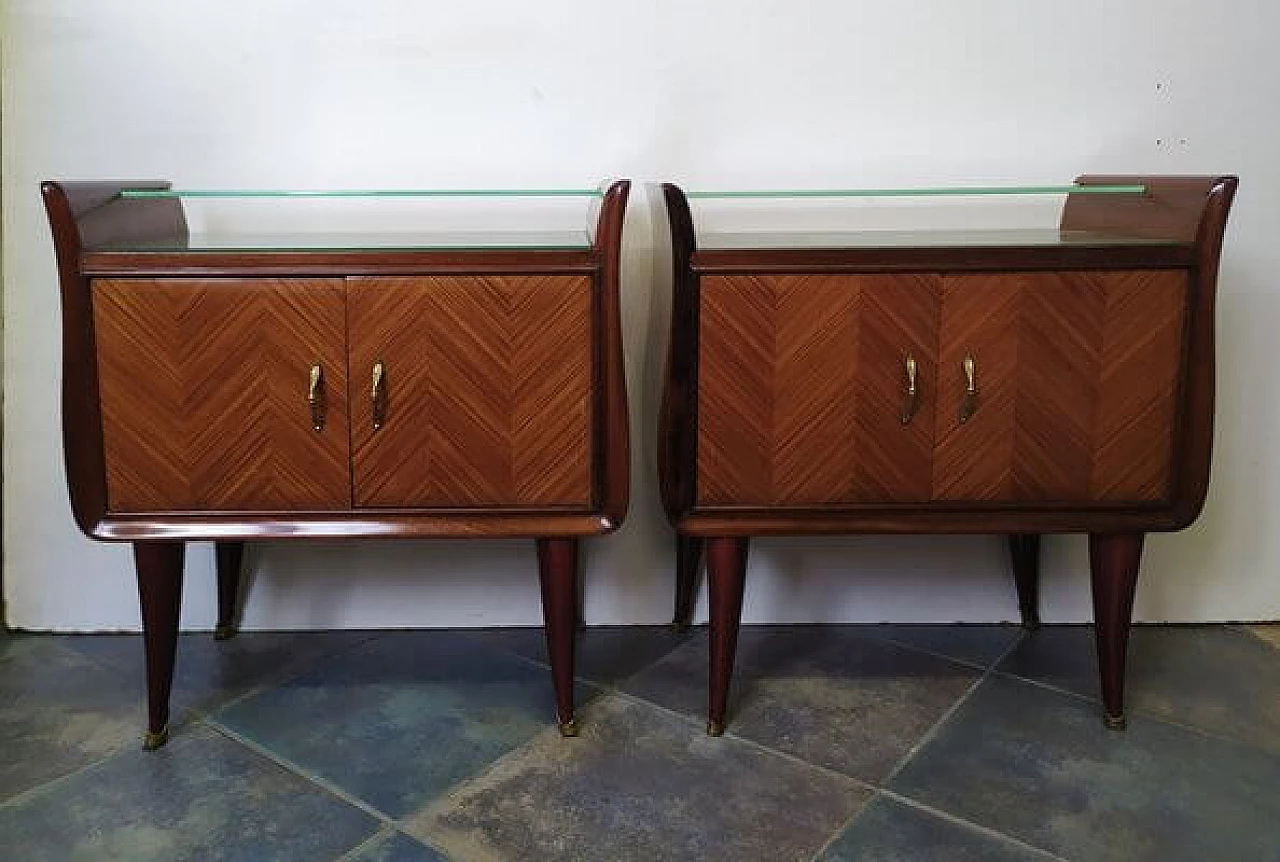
(417, 241)
(892, 239)
(360, 193)
(954, 191)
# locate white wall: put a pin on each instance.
(315, 93)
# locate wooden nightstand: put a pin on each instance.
(1012, 382)
(319, 387)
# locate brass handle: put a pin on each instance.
(909, 402)
(315, 397)
(378, 395)
(970, 404)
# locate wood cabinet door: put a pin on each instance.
(486, 391)
(1077, 377)
(802, 386)
(205, 388)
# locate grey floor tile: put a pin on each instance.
(399, 720)
(200, 797)
(825, 694)
(12, 642)
(606, 654)
(1040, 766)
(208, 673)
(59, 712)
(641, 784)
(977, 644)
(394, 847)
(1218, 678)
(890, 831)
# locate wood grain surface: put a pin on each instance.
(489, 382)
(204, 389)
(802, 384)
(1077, 375)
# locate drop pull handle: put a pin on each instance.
(970, 404)
(315, 397)
(378, 395)
(911, 397)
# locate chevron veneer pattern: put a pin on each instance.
(489, 382)
(204, 388)
(801, 383)
(1077, 375)
(801, 387)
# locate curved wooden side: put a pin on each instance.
(1191, 209)
(677, 417)
(82, 214)
(87, 216)
(612, 444)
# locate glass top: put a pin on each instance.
(871, 239)
(417, 241)
(361, 193)
(957, 191)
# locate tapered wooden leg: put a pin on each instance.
(230, 557)
(688, 562)
(1024, 553)
(726, 574)
(1113, 560)
(558, 571)
(159, 568)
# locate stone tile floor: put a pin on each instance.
(845, 743)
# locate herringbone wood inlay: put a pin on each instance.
(1077, 375)
(801, 384)
(204, 388)
(801, 387)
(489, 382)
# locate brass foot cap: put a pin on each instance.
(1114, 722)
(569, 728)
(715, 728)
(679, 627)
(224, 633)
(155, 739)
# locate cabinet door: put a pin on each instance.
(802, 386)
(486, 390)
(205, 388)
(1077, 378)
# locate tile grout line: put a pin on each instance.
(602, 689)
(546, 665)
(297, 770)
(882, 790)
(946, 716)
(286, 674)
(976, 665)
(51, 783)
(948, 816)
(700, 726)
(1139, 712)
(844, 827)
(384, 830)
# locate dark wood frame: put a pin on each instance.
(1187, 213)
(93, 226)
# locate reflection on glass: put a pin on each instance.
(957, 191)
(415, 241)
(870, 239)
(360, 193)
